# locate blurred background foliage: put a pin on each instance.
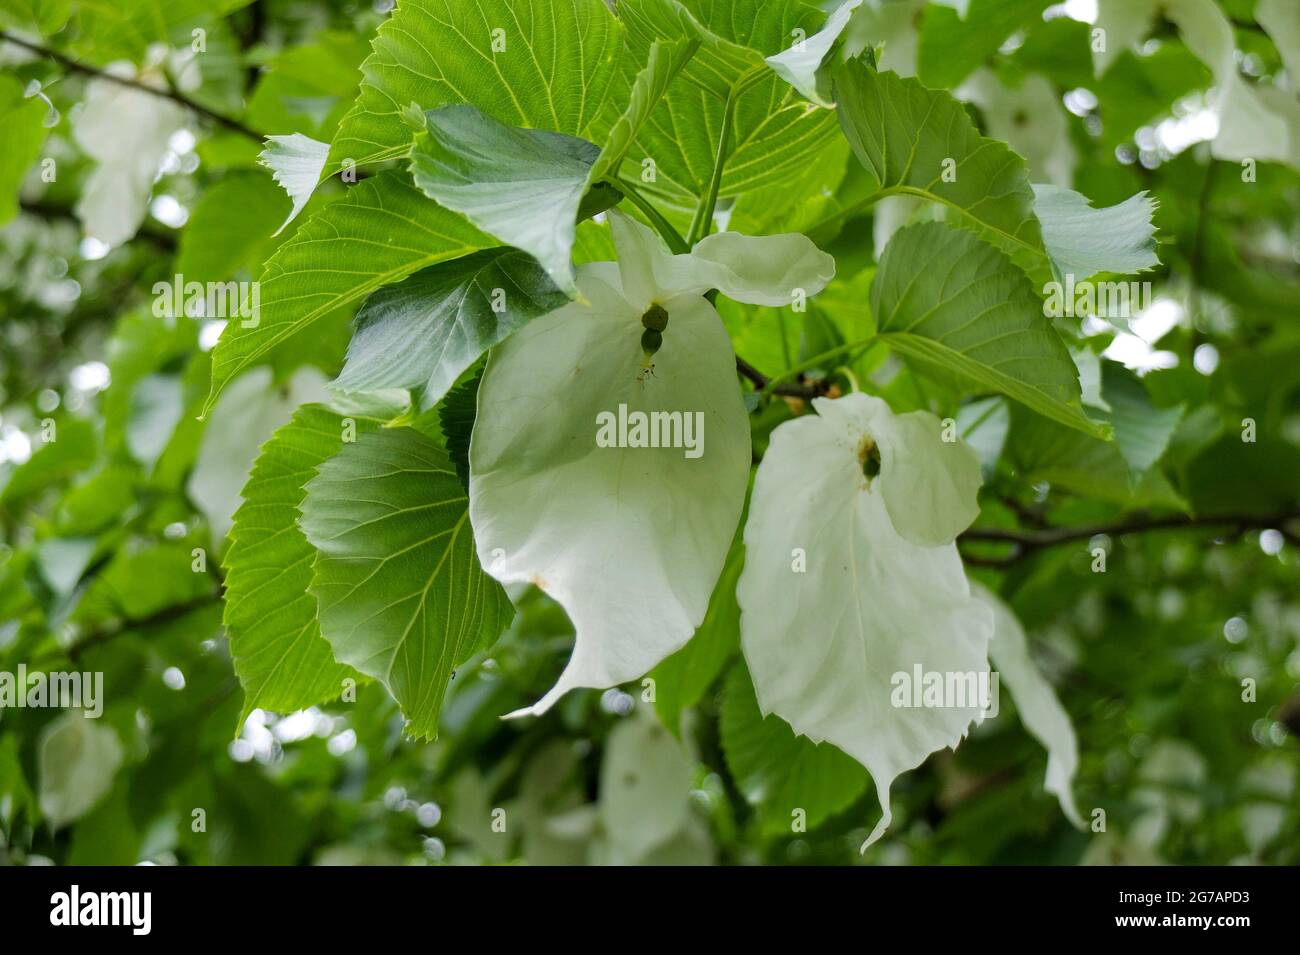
(100, 527)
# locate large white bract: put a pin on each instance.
(850, 580)
(629, 540)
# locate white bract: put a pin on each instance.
(1259, 122)
(628, 539)
(125, 132)
(850, 580)
(1040, 710)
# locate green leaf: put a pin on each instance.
(279, 655)
(73, 448)
(99, 500)
(142, 581)
(142, 344)
(230, 229)
(778, 771)
(22, 132)
(456, 416)
(382, 232)
(920, 142)
(425, 331)
(1081, 464)
(522, 186)
(665, 60)
(157, 402)
(125, 29)
(401, 595)
(960, 309)
(107, 835)
(47, 16)
(77, 760)
(983, 424)
(951, 47)
(1142, 431)
(529, 63)
(1082, 241)
(682, 679)
(308, 86)
(775, 134)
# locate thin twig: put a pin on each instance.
(1026, 542)
(179, 98)
(165, 241)
(800, 389)
(99, 637)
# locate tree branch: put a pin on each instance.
(98, 637)
(800, 389)
(165, 241)
(1027, 542)
(175, 96)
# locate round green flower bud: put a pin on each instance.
(655, 318)
(651, 340)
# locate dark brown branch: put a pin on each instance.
(803, 388)
(1026, 542)
(175, 96)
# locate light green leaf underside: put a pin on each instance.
(779, 772)
(1142, 431)
(554, 72)
(296, 163)
(911, 139)
(959, 308)
(157, 402)
(1122, 470)
(775, 133)
(384, 230)
(398, 585)
(279, 656)
(1077, 463)
(523, 186)
(1082, 241)
(423, 332)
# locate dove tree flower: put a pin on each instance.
(852, 576)
(628, 539)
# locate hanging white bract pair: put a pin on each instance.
(851, 570)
